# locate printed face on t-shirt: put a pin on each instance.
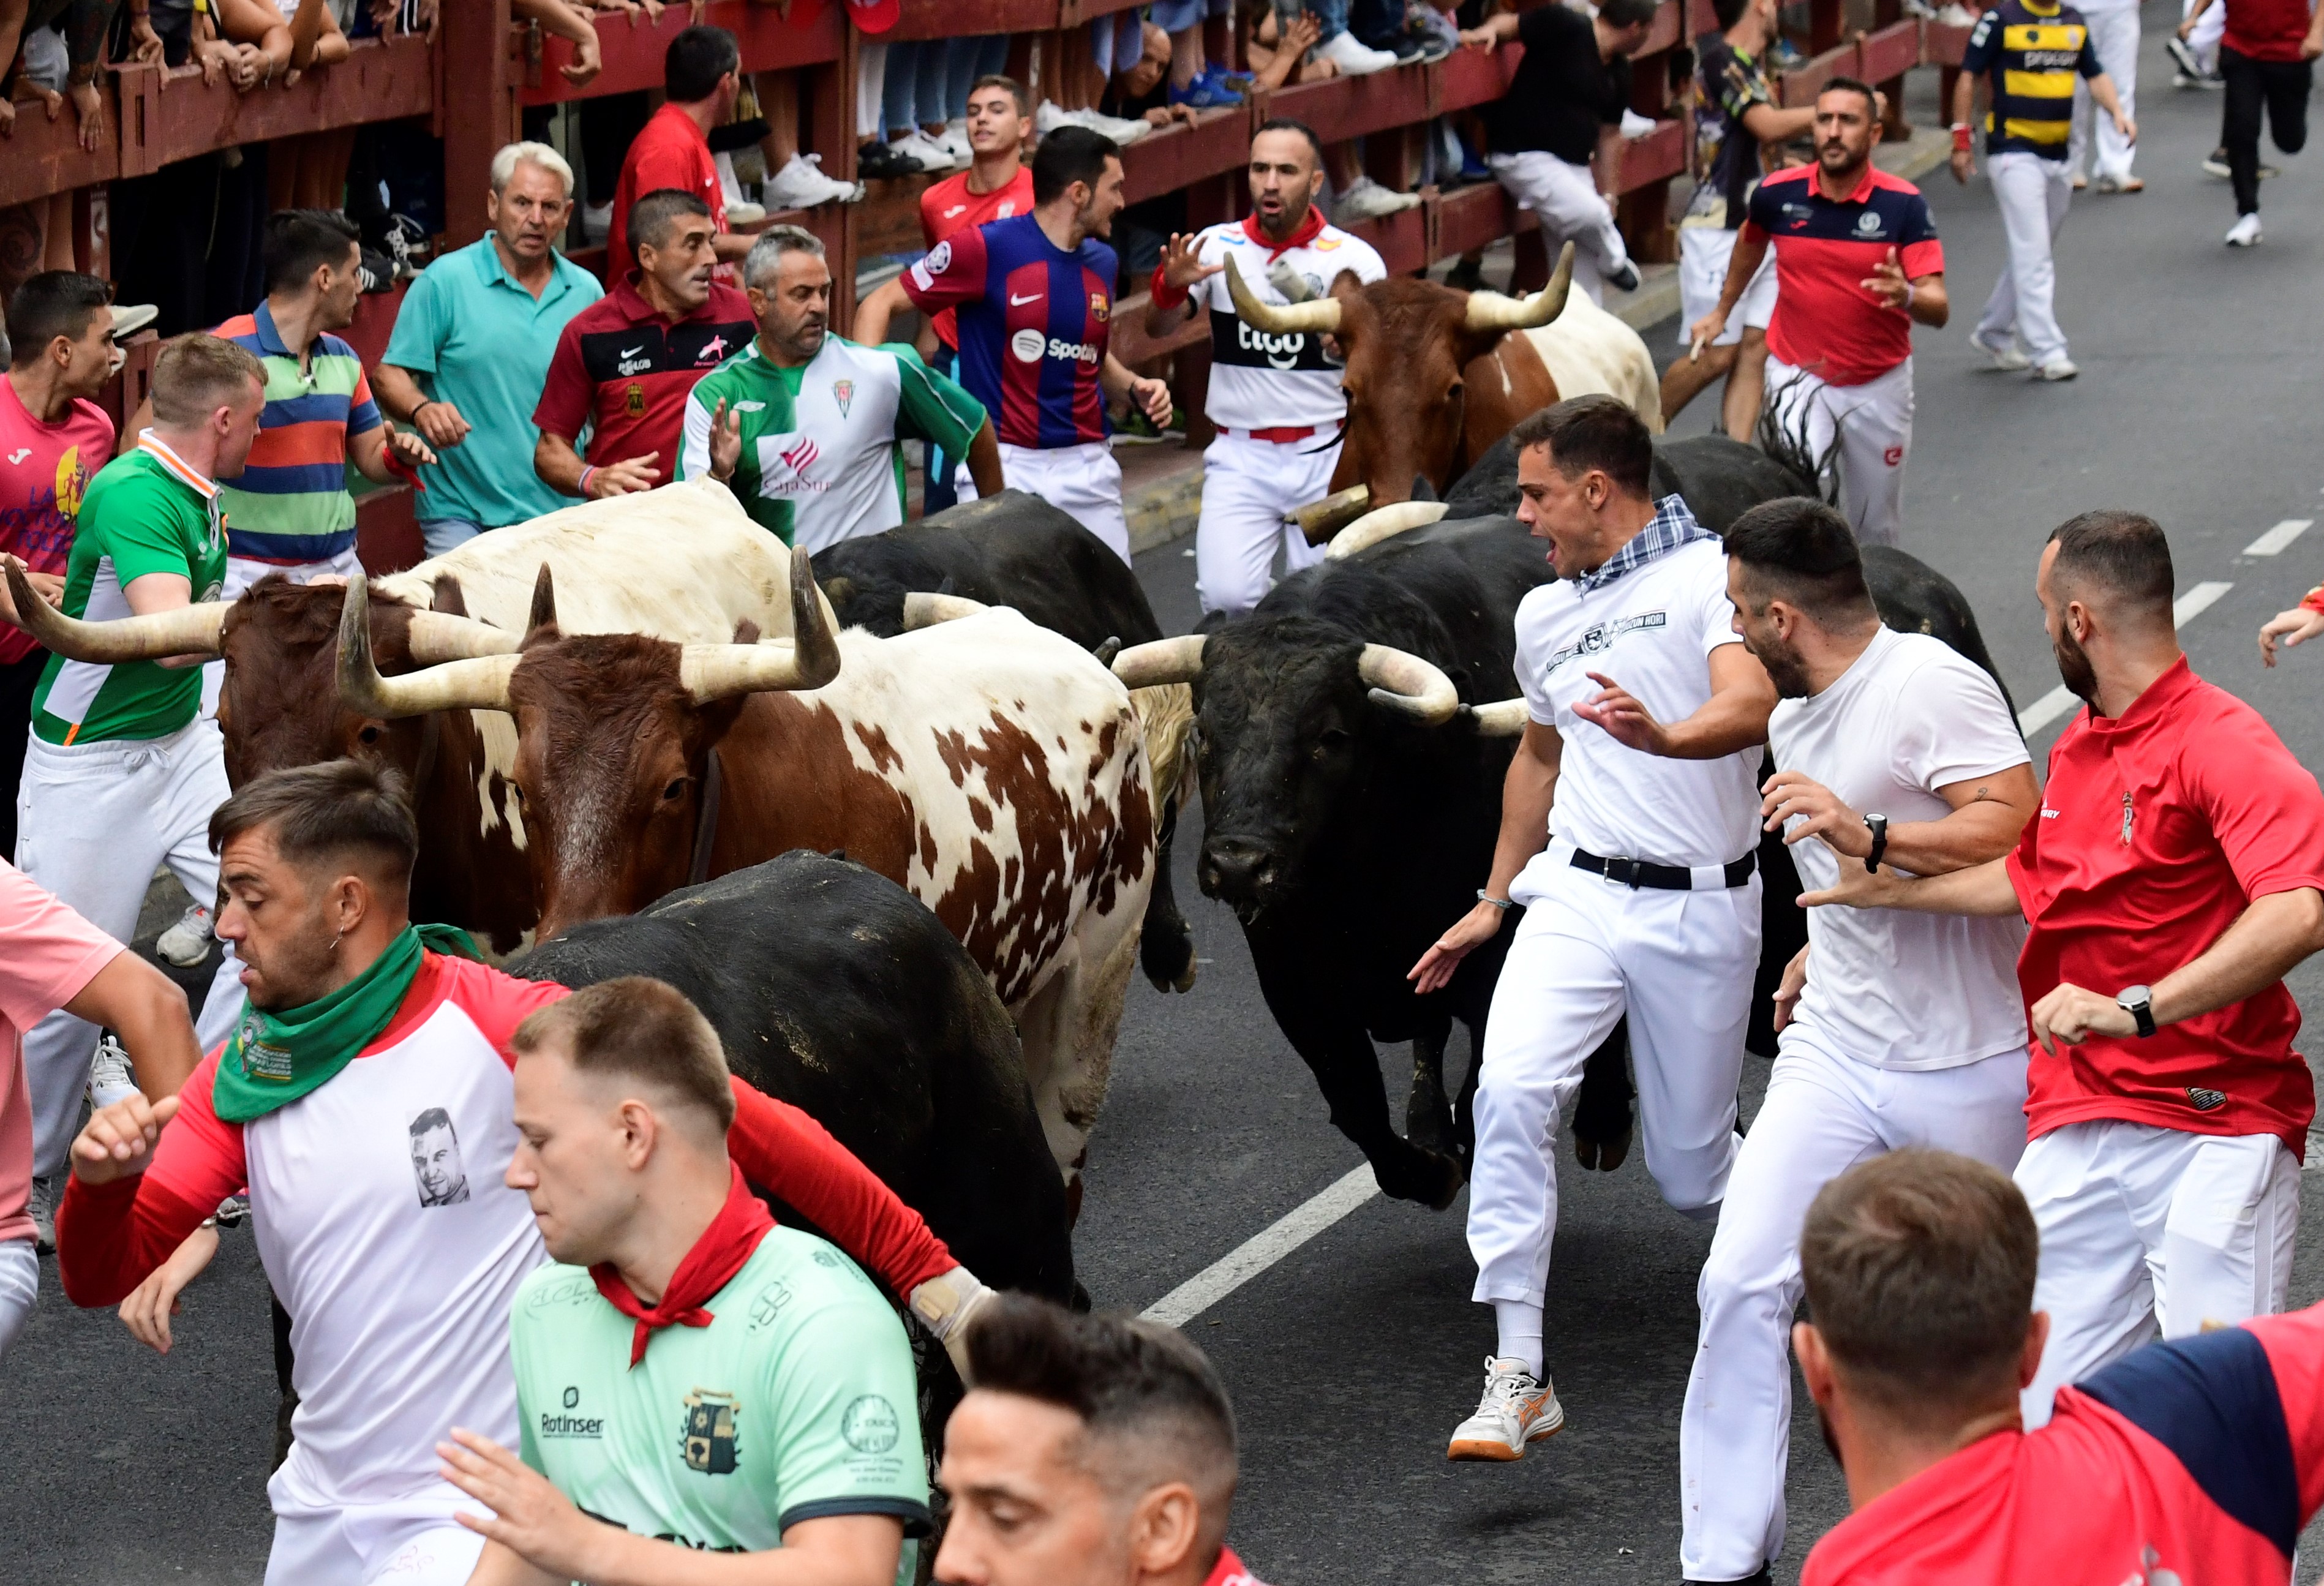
(436, 1165)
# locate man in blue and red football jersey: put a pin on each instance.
(2197, 1460)
(1035, 295)
(1858, 263)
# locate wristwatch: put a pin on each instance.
(1878, 826)
(2138, 1001)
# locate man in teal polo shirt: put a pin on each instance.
(471, 352)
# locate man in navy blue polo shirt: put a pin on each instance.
(1857, 264)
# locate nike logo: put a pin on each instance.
(19, 455)
(1017, 302)
(633, 352)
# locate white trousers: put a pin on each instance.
(870, 89)
(1247, 485)
(1824, 1114)
(1873, 425)
(411, 1541)
(2032, 193)
(20, 1289)
(2209, 28)
(1564, 197)
(241, 573)
(2113, 33)
(1704, 252)
(93, 820)
(2148, 1231)
(1083, 482)
(1587, 951)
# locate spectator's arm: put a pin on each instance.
(12, 34)
(1495, 31)
(259, 26)
(556, 17)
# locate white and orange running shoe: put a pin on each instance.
(1518, 1409)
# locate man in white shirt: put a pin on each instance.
(1276, 400)
(1629, 832)
(1895, 1030)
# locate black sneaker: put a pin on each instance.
(42, 1205)
(879, 162)
(2183, 55)
(1624, 277)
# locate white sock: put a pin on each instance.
(1519, 1321)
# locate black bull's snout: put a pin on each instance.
(1243, 872)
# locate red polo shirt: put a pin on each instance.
(624, 367)
(2157, 829)
(671, 152)
(1824, 321)
(2266, 30)
(949, 209)
(1229, 1572)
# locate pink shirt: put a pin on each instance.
(48, 953)
(44, 470)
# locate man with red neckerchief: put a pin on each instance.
(367, 1103)
(1276, 400)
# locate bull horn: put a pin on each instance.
(924, 610)
(189, 629)
(480, 683)
(1383, 523)
(712, 672)
(543, 614)
(1504, 718)
(1402, 682)
(1320, 519)
(441, 636)
(1160, 663)
(1491, 312)
(1323, 315)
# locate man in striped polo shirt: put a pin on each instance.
(289, 512)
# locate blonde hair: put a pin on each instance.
(196, 373)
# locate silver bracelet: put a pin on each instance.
(1503, 903)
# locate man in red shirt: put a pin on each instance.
(1092, 1450)
(2194, 1461)
(53, 439)
(627, 362)
(1857, 264)
(701, 75)
(996, 186)
(2266, 57)
(2173, 877)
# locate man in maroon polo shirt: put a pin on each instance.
(2173, 876)
(626, 362)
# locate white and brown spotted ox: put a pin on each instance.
(683, 562)
(992, 768)
(1435, 376)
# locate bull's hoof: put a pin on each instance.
(1604, 1156)
(1429, 1178)
(1167, 957)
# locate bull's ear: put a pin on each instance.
(543, 620)
(447, 596)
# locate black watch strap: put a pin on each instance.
(1878, 825)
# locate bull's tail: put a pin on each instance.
(1789, 446)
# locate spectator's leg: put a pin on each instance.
(928, 86)
(960, 75)
(897, 83)
(871, 80)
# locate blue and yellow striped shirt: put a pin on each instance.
(2031, 53)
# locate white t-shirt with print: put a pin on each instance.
(1899, 991)
(1262, 381)
(1651, 631)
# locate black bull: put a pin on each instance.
(1348, 841)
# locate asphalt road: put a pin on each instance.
(1350, 1359)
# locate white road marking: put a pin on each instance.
(2060, 700)
(2279, 537)
(1263, 1249)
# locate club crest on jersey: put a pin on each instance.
(1099, 307)
(1868, 223)
(870, 1425)
(2205, 1099)
(707, 1439)
(842, 392)
(634, 400)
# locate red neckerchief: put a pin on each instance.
(719, 1254)
(1309, 230)
(1230, 1572)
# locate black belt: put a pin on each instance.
(1634, 874)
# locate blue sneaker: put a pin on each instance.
(1202, 94)
(1783, 55)
(1232, 82)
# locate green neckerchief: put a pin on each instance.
(275, 1058)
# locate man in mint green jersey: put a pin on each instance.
(691, 1379)
(805, 427)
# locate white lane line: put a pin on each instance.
(1263, 1249)
(2279, 537)
(2185, 610)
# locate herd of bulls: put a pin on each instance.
(898, 818)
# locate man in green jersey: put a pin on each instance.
(805, 427)
(691, 1379)
(121, 772)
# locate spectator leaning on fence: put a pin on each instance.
(472, 348)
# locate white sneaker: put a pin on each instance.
(1049, 115)
(1635, 125)
(2057, 369)
(2012, 357)
(1366, 199)
(1352, 58)
(801, 184)
(1957, 15)
(746, 213)
(917, 145)
(2245, 234)
(954, 140)
(1516, 1410)
(1121, 129)
(110, 1078)
(187, 942)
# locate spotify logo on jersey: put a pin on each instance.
(1028, 345)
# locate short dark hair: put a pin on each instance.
(51, 304)
(1068, 155)
(1286, 123)
(694, 61)
(1728, 12)
(1919, 1268)
(2123, 553)
(1137, 1385)
(1849, 85)
(651, 216)
(1015, 89)
(335, 811)
(641, 1029)
(1595, 431)
(196, 372)
(434, 1118)
(1803, 552)
(299, 242)
(1628, 13)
